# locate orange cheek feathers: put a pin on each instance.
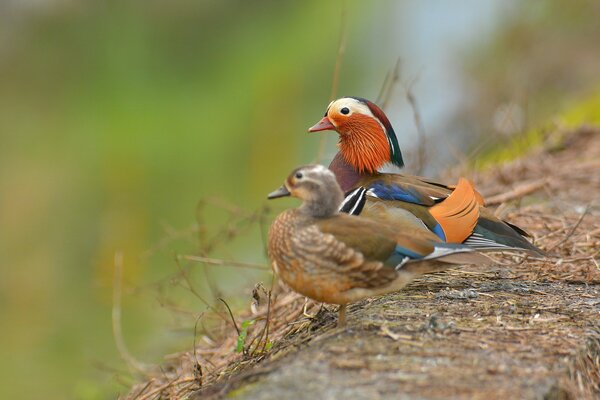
(363, 143)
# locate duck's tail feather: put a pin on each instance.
(502, 238)
(444, 256)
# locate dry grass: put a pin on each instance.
(523, 328)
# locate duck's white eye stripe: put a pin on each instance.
(328, 107)
(356, 106)
(352, 105)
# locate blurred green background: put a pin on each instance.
(154, 128)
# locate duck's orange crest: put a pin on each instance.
(363, 143)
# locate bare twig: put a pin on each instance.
(210, 282)
(217, 261)
(336, 71)
(131, 361)
(265, 331)
(143, 389)
(340, 52)
(198, 366)
(517, 192)
(384, 88)
(191, 287)
(196, 293)
(391, 79)
(268, 323)
(231, 315)
(572, 231)
(421, 150)
(159, 389)
(171, 235)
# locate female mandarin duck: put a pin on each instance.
(455, 214)
(338, 258)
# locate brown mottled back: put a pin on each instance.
(317, 264)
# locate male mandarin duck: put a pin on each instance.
(455, 214)
(338, 258)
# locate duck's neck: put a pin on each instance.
(347, 176)
(323, 202)
(326, 207)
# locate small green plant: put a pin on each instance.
(241, 341)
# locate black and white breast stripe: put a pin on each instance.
(354, 201)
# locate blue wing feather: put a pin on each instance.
(439, 232)
(395, 192)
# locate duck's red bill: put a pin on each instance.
(323, 125)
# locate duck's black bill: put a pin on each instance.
(281, 192)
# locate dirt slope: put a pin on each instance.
(521, 328)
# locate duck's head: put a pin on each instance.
(367, 139)
(316, 186)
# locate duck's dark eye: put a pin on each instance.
(299, 175)
(345, 111)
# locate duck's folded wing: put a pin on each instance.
(454, 213)
(478, 197)
(378, 242)
(451, 215)
(404, 188)
(328, 256)
(384, 244)
(458, 213)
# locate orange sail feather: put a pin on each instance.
(458, 213)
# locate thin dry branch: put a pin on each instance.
(193, 290)
(191, 287)
(167, 385)
(235, 325)
(391, 79)
(384, 88)
(131, 361)
(518, 192)
(573, 229)
(217, 261)
(198, 366)
(340, 52)
(240, 221)
(422, 147)
(336, 71)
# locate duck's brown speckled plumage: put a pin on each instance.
(317, 264)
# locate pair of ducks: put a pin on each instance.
(360, 233)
